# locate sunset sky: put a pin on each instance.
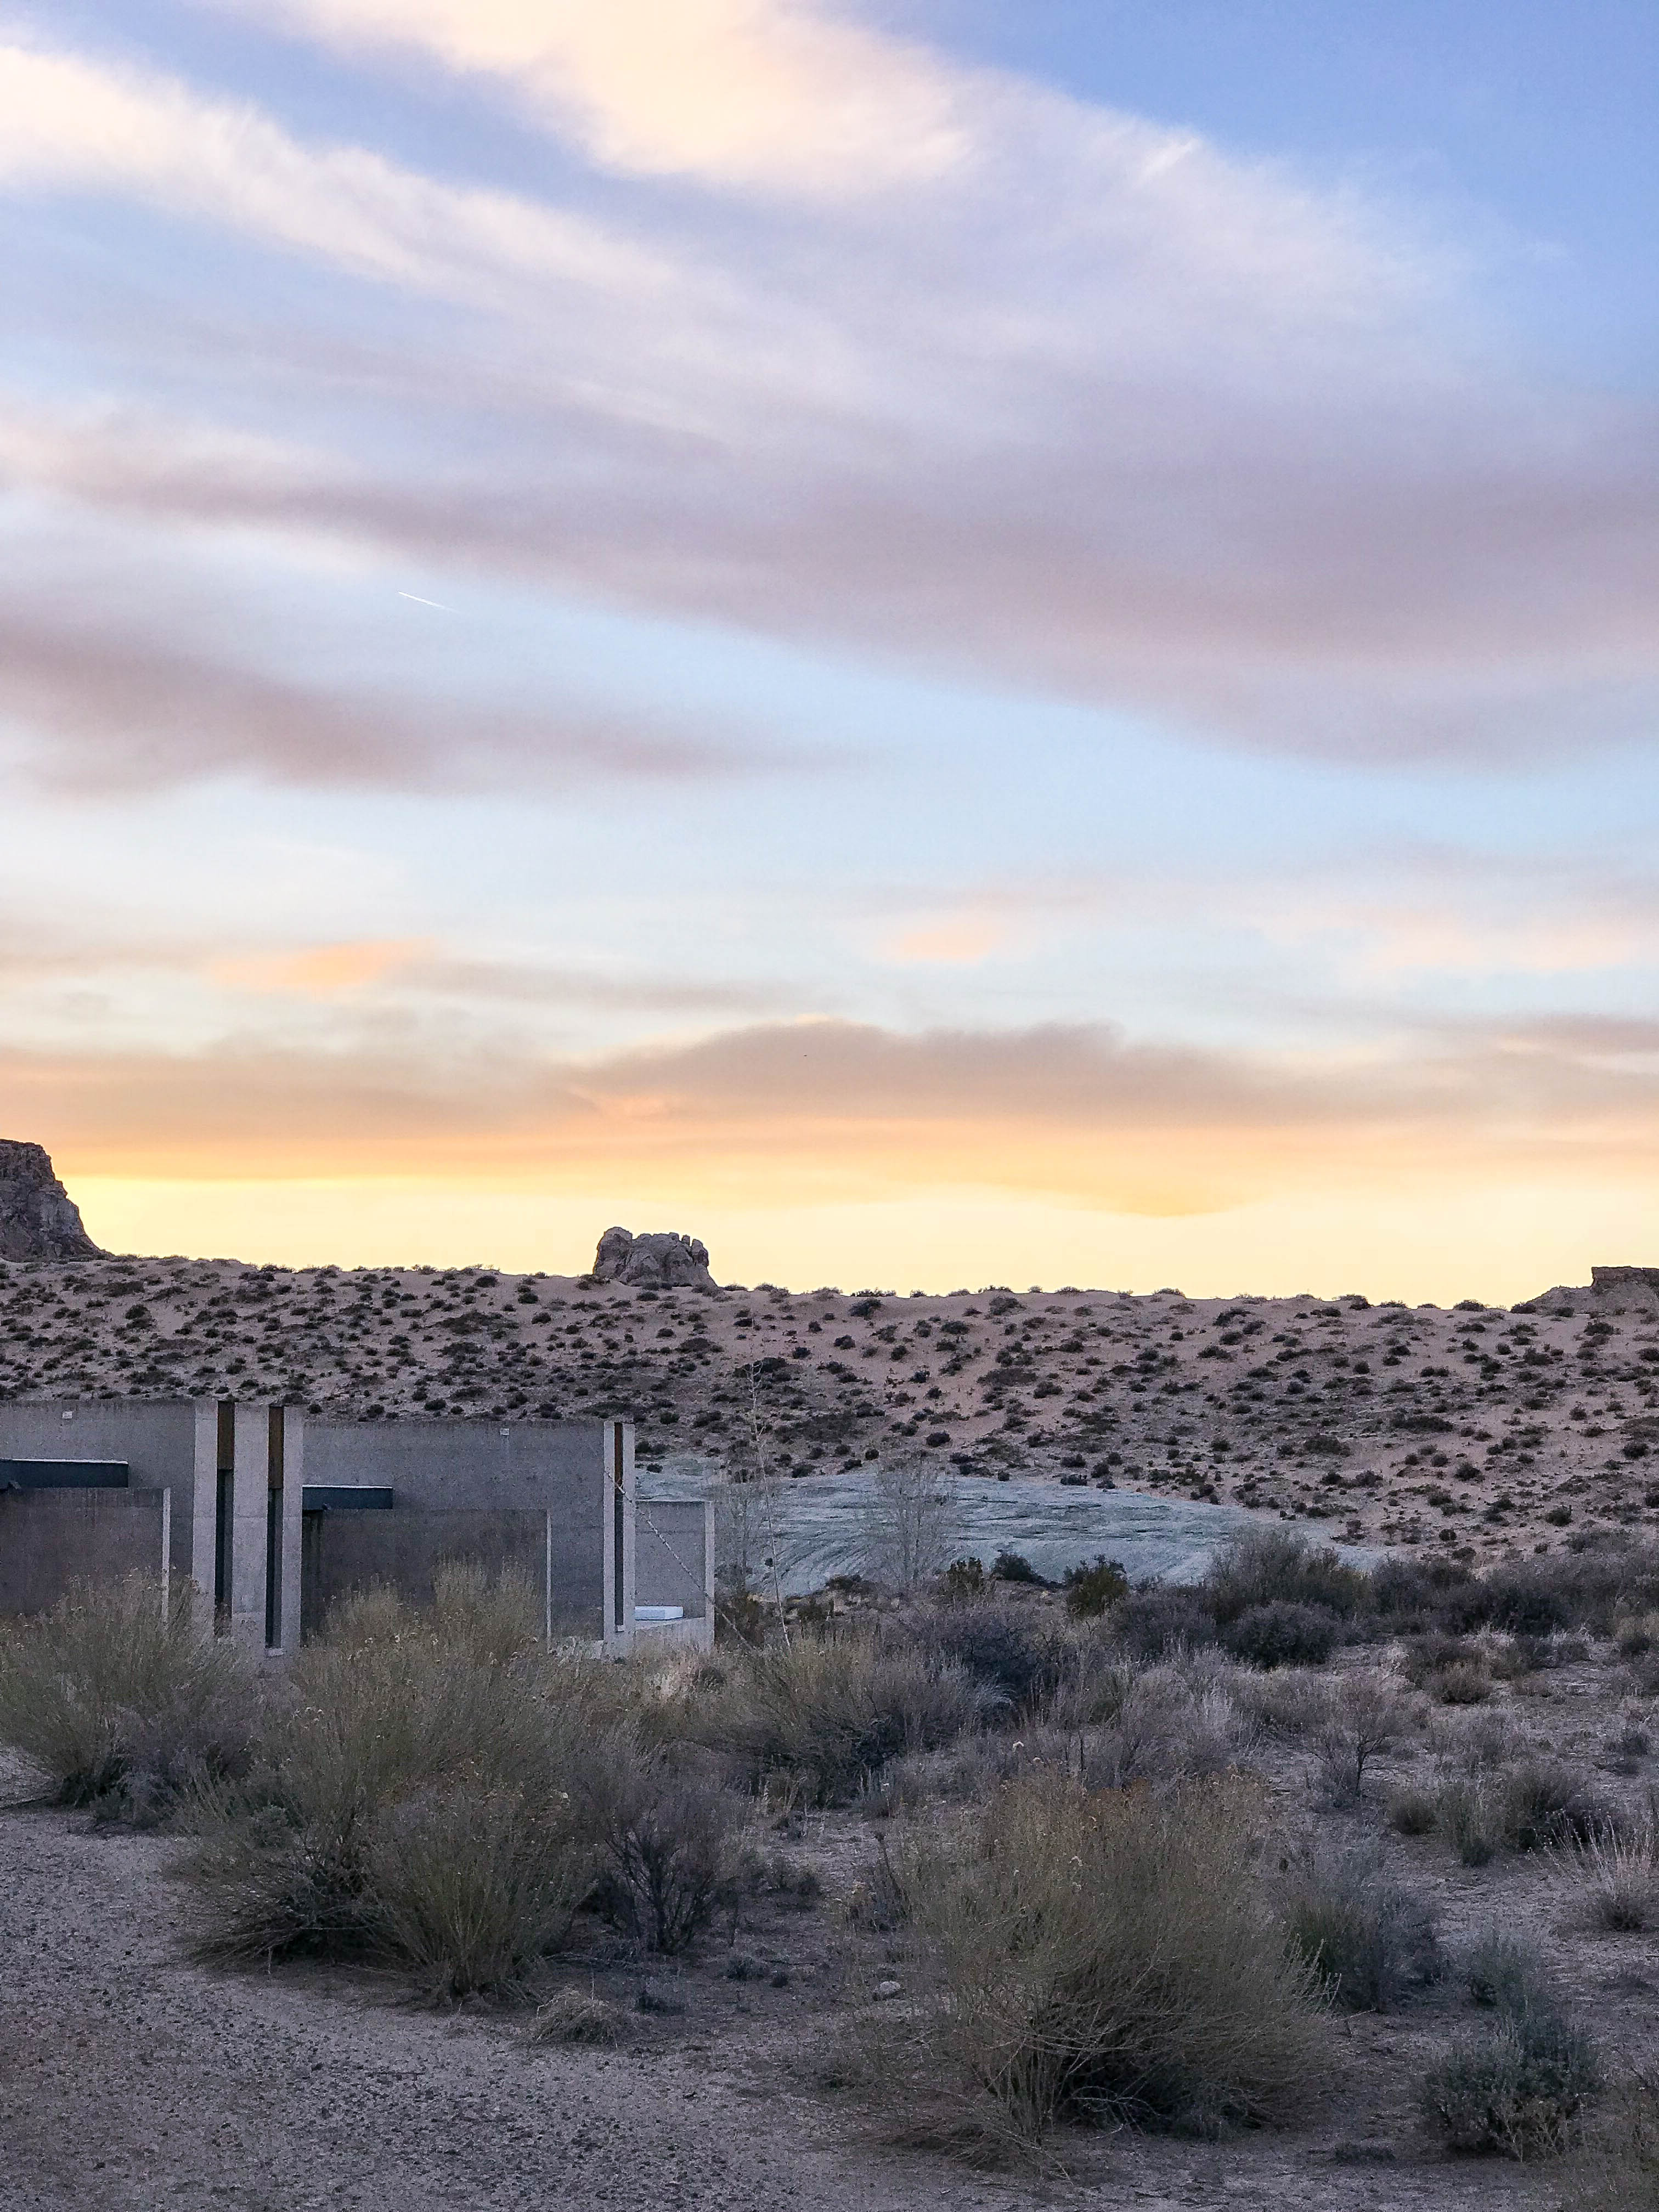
(945, 642)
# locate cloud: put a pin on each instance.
(103, 712)
(829, 1112)
(731, 92)
(67, 122)
(1089, 405)
(405, 969)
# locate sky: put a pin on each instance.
(942, 643)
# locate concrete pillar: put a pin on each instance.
(617, 1496)
(250, 1507)
(708, 1563)
(204, 1502)
(167, 1557)
(294, 1479)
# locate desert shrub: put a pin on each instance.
(1545, 1801)
(1292, 1702)
(1412, 1810)
(1451, 1670)
(1015, 1567)
(1589, 1590)
(1365, 1720)
(1609, 1880)
(120, 1706)
(1370, 1942)
(1481, 1744)
(1635, 1634)
(1505, 1973)
(1091, 1591)
(962, 1578)
(1407, 1592)
(1106, 1957)
(1151, 1623)
(1527, 1602)
(832, 1711)
(414, 1796)
(1519, 2090)
(1275, 1566)
(1007, 1649)
(1281, 1633)
(1423, 1657)
(465, 1886)
(741, 1618)
(1621, 2174)
(1464, 1682)
(1170, 1725)
(665, 1840)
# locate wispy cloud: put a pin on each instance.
(101, 711)
(1089, 404)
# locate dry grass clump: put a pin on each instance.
(120, 1706)
(1609, 1879)
(417, 1795)
(1529, 1807)
(1294, 1701)
(574, 2015)
(1412, 1810)
(828, 1712)
(1102, 1956)
(1451, 1670)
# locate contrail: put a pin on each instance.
(420, 602)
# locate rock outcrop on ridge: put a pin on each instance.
(1610, 1290)
(39, 1219)
(661, 1260)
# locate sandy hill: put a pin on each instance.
(1472, 1430)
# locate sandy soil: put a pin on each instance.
(1475, 1431)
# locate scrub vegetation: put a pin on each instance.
(1000, 1869)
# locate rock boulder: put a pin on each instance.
(39, 1219)
(663, 1260)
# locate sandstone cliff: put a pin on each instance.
(39, 1219)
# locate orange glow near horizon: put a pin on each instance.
(1435, 1244)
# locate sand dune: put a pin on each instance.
(1475, 1431)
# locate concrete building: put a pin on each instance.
(272, 1516)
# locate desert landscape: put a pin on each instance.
(1426, 1780)
(830, 1231)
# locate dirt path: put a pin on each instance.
(130, 2079)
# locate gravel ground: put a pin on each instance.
(131, 2079)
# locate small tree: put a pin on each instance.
(909, 1522)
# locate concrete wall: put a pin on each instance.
(50, 1539)
(577, 1472)
(158, 1443)
(673, 1555)
(345, 1552)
